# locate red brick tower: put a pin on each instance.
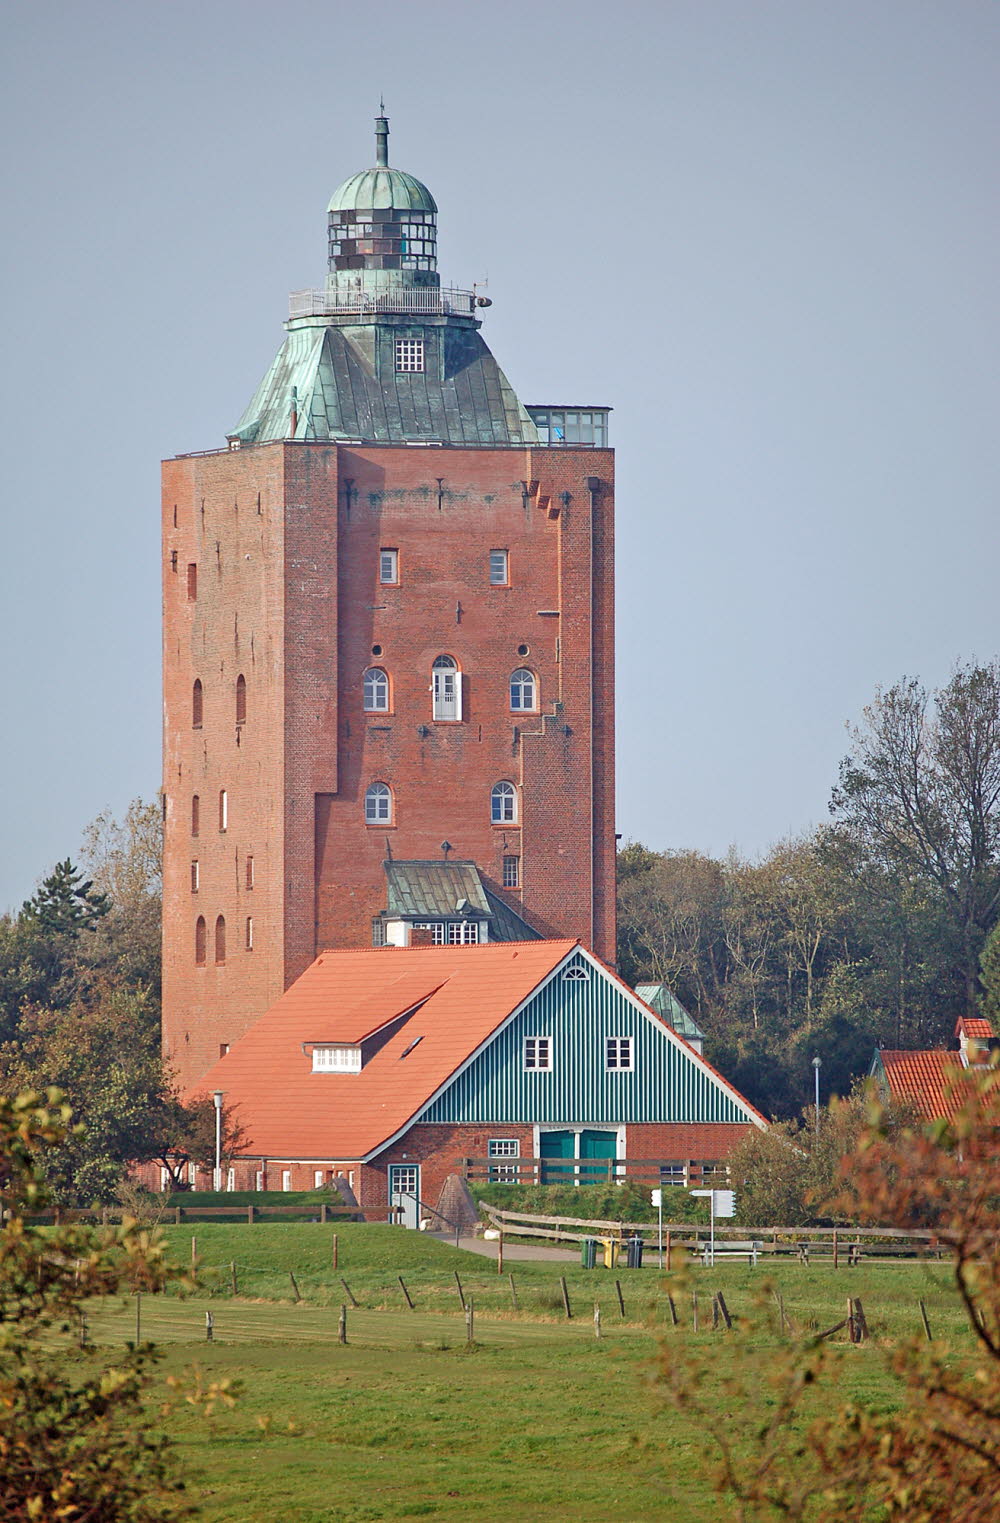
(388, 644)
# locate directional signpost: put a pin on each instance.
(720, 1203)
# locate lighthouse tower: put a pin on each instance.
(388, 643)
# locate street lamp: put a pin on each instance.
(817, 1065)
(217, 1097)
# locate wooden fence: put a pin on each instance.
(321, 1212)
(809, 1243)
(593, 1171)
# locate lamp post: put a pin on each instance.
(817, 1065)
(217, 1097)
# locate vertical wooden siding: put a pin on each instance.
(665, 1083)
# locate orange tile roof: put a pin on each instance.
(925, 1079)
(975, 1027)
(291, 1112)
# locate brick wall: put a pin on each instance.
(286, 539)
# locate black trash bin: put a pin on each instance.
(633, 1248)
(588, 1252)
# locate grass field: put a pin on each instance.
(537, 1420)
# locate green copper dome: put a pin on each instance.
(382, 188)
(378, 189)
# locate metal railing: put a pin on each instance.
(439, 301)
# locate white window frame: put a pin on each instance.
(388, 567)
(619, 1054)
(511, 872)
(499, 565)
(463, 933)
(446, 708)
(286, 1179)
(523, 681)
(503, 1149)
(376, 690)
(223, 809)
(411, 356)
(319, 1179)
(576, 975)
(503, 803)
(538, 1054)
(336, 1058)
(378, 804)
(248, 936)
(258, 1180)
(230, 1179)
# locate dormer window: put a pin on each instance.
(409, 356)
(336, 1060)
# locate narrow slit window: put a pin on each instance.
(248, 941)
(223, 809)
(249, 872)
(197, 704)
(195, 814)
(192, 581)
(241, 699)
(220, 939)
(195, 875)
(200, 940)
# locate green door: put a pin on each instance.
(598, 1145)
(557, 1145)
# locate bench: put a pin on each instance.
(729, 1248)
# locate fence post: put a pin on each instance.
(500, 1254)
(621, 1298)
(513, 1292)
(597, 1320)
(342, 1325)
(194, 1251)
(336, 1248)
(322, 1212)
(461, 1293)
(470, 1322)
(232, 1272)
(565, 1296)
(406, 1293)
(209, 1327)
(250, 1215)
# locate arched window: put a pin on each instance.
(503, 804)
(376, 691)
(522, 689)
(241, 699)
(446, 688)
(197, 704)
(199, 939)
(220, 939)
(378, 804)
(195, 814)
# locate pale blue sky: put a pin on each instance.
(764, 232)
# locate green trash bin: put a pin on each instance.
(588, 1252)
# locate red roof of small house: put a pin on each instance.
(928, 1080)
(974, 1026)
(464, 993)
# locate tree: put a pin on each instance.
(74, 1441)
(989, 965)
(920, 793)
(936, 1457)
(189, 1137)
(124, 858)
(66, 903)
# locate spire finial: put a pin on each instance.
(381, 136)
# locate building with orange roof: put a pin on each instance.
(930, 1080)
(521, 1061)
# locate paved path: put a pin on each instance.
(487, 1249)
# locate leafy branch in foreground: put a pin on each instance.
(74, 1445)
(783, 1453)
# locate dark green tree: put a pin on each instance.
(66, 904)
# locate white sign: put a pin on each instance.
(723, 1201)
(656, 1197)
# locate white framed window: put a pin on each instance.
(376, 691)
(618, 1054)
(499, 568)
(537, 1054)
(504, 1147)
(503, 804)
(522, 690)
(378, 804)
(286, 1179)
(409, 355)
(336, 1060)
(192, 1173)
(258, 1180)
(164, 1179)
(248, 939)
(319, 1179)
(388, 567)
(230, 1179)
(512, 872)
(463, 933)
(223, 809)
(576, 975)
(446, 689)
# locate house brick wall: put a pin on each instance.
(286, 540)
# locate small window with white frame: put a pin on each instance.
(523, 696)
(499, 568)
(376, 690)
(230, 1179)
(409, 356)
(506, 1148)
(512, 872)
(378, 804)
(339, 1059)
(388, 567)
(503, 804)
(537, 1054)
(618, 1054)
(577, 974)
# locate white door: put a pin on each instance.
(447, 689)
(404, 1192)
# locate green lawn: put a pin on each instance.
(538, 1420)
